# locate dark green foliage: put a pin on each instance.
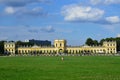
(118, 43)
(91, 42)
(101, 41)
(95, 42)
(2, 47)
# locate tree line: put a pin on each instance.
(91, 42)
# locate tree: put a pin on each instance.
(89, 42)
(118, 44)
(101, 41)
(2, 47)
(95, 42)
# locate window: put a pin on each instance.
(56, 45)
(12, 45)
(76, 51)
(73, 51)
(110, 44)
(60, 45)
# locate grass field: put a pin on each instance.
(53, 68)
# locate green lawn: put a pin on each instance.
(53, 68)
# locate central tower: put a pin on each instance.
(60, 45)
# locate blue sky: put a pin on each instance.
(73, 20)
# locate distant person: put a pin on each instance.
(62, 58)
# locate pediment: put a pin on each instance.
(35, 46)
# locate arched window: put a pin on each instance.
(70, 51)
(56, 45)
(73, 51)
(76, 51)
(110, 44)
(60, 44)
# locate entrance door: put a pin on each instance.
(60, 51)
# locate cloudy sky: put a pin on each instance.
(73, 20)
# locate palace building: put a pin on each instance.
(60, 46)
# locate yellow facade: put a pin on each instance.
(10, 48)
(60, 46)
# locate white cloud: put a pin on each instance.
(78, 13)
(118, 35)
(38, 11)
(48, 29)
(81, 13)
(22, 11)
(113, 19)
(9, 10)
(95, 2)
